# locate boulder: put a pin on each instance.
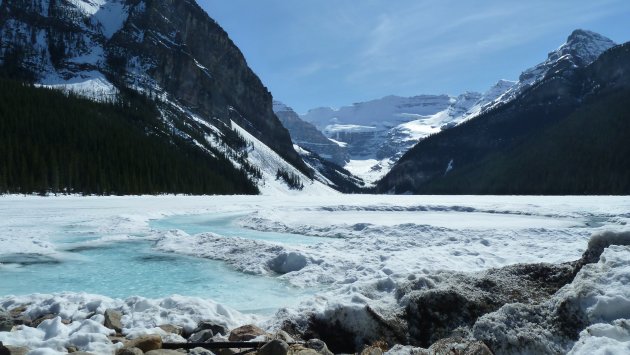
(456, 345)
(301, 350)
(200, 351)
(216, 328)
(173, 329)
(17, 311)
(287, 262)
(39, 320)
(129, 351)
(201, 337)
(164, 352)
(6, 321)
(284, 336)
(372, 350)
(14, 350)
(116, 339)
(18, 350)
(145, 343)
(318, 346)
(19, 317)
(274, 347)
(245, 333)
(112, 320)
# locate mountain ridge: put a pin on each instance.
(380, 143)
(169, 51)
(469, 158)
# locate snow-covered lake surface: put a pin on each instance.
(156, 246)
(256, 254)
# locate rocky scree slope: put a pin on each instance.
(170, 51)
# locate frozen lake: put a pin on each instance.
(265, 253)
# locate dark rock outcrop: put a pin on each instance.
(307, 136)
(6, 321)
(274, 347)
(192, 58)
(112, 320)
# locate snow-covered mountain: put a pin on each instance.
(581, 49)
(169, 51)
(566, 134)
(378, 132)
(324, 155)
(309, 137)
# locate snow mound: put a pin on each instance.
(246, 255)
(89, 84)
(287, 262)
(603, 339)
(597, 299)
(78, 319)
(270, 163)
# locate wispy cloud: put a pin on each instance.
(414, 40)
(340, 51)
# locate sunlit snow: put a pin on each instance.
(239, 258)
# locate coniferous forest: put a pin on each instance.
(585, 152)
(54, 142)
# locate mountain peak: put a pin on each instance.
(580, 34)
(582, 46)
(279, 106)
(581, 49)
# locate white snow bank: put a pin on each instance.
(246, 255)
(89, 7)
(270, 162)
(89, 84)
(84, 315)
(597, 300)
(602, 290)
(604, 339)
(110, 17)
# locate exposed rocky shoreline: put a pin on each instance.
(534, 308)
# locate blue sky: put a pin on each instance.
(312, 53)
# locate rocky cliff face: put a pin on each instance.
(190, 56)
(307, 136)
(169, 50)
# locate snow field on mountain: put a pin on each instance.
(269, 162)
(339, 251)
(370, 170)
(386, 128)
